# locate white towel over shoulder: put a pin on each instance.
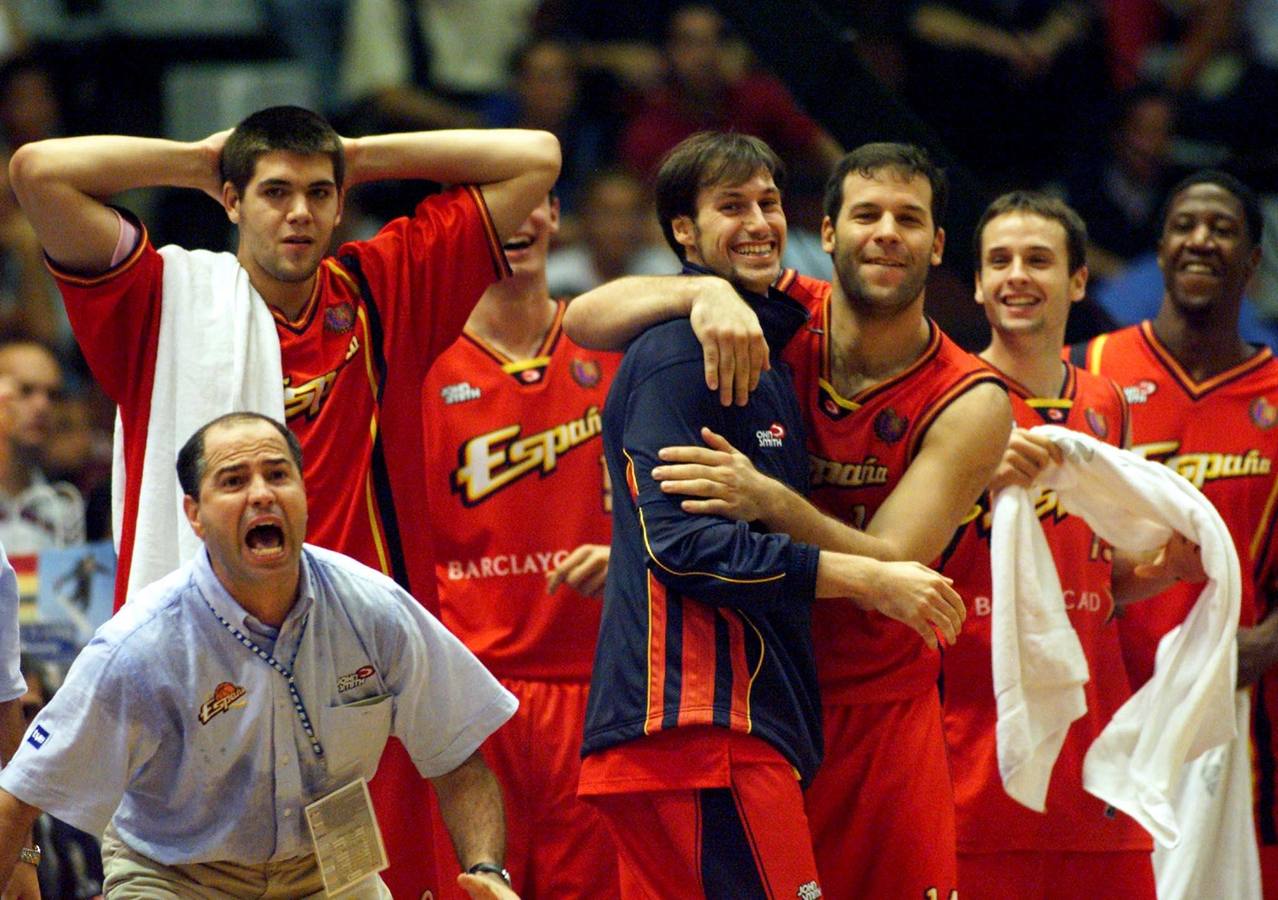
(218, 352)
(1187, 707)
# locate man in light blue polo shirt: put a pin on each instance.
(262, 676)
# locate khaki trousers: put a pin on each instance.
(132, 876)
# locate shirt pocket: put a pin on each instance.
(354, 736)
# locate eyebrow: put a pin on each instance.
(866, 204)
(284, 182)
(239, 466)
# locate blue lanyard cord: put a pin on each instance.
(271, 661)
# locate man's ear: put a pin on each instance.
(938, 247)
(191, 507)
(827, 234)
(231, 201)
(685, 231)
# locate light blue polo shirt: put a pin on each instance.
(170, 726)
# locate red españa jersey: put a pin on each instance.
(353, 363)
(989, 820)
(859, 448)
(514, 465)
(1222, 435)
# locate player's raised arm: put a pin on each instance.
(613, 314)
(63, 184)
(515, 168)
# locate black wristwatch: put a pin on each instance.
(492, 869)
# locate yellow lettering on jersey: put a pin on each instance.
(849, 475)
(1200, 468)
(500, 457)
(308, 397)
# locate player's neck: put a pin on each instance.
(868, 349)
(514, 317)
(288, 297)
(1029, 362)
(1203, 346)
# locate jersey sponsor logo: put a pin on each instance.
(459, 393)
(226, 696)
(1263, 413)
(1141, 391)
(1096, 422)
(307, 398)
(501, 457)
(339, 319)
(1200, 468)
(865, 473)
(1084, 601)
(503, 565)
(354, 679)
(809, 890)
(772, 436)
(586, 372)
(890, 427)
(38, 736)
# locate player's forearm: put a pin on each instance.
(102, 166)
(472, 156)
(787, 512)
(1257, 649)
(12, 726)
(613, 314)
(16, 819)
(470, 802)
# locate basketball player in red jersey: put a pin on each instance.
(1030, 269)
(1205, 402)
(514, 465)
(904, 432)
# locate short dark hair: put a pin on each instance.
(1044, 206)
(191, 462)
(1252, 216)
(703, 160)
(288, 128)
(906, 160)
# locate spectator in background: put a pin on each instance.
(1118, 193)
(416, 64)
(545, 94)
(1030, 64)
(29, 301)
(29, 106)
(70, 860)
(712, 87)
(34, 514)
(613, 231)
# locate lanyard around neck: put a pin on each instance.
(286, 671)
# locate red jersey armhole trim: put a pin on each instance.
(961, 387)
(500, 264)
(92, 280)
